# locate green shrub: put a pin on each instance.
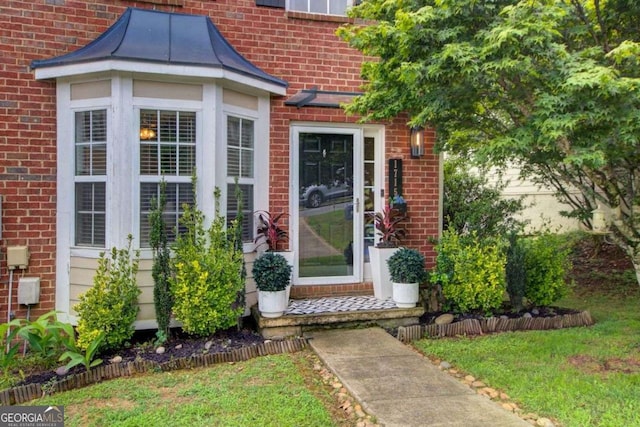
(406, 266)
(111, 305)
(10, 346)
(161, 271)
(46, 335)
(271, 272)
(470, 272)
(516, 272)
(546, 263)
(208, 273)
(86, 358)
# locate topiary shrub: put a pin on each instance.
(111, 305)
(208, 268)
(271, 272)
(406, 266)
(470, 272)
(546, 263)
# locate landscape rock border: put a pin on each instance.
(406, 334)
(26, 393)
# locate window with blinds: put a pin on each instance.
(167, 152)
(90, 177)
(240, 167)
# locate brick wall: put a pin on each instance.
(298, 48)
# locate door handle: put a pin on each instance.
(357, 205)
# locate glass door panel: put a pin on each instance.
(369, 194)
(326, 210)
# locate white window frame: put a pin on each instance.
(349, 4)
(89, 178)
(242, 180)
(260, 118)
(67, 177)
(156, 179)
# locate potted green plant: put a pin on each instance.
(406, 268)
(389, 234)
(272, 274)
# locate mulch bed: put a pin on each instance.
(232, 345)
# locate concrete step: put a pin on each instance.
(321, 313)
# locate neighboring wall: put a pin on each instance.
(299, 48)
(542, 207)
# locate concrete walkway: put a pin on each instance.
(399, 386)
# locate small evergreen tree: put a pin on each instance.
(161, 271)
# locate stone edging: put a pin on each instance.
(407, 334)
(22, 394)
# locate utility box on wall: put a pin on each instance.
(29, 290)
(17, 257)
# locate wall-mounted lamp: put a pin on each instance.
(147, 133)
(417, 142)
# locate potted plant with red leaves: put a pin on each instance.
(269, 230)
(271, 233)
(389, 234)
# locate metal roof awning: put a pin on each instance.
(321, 98)
(187, 42)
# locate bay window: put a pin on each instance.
(90, 177)
(167, 153)
(240, 168)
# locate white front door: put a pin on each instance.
(327, 196)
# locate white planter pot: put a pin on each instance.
(380, 271)
(272, 303)
(289, 256)
(406, 295)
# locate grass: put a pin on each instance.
(266, 391)
(579, 377)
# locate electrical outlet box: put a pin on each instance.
(17, 257)
(29, 290)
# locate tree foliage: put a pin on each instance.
(550, 85)
(161, 271)
(209, 276)
(110, 306)
(472, 204)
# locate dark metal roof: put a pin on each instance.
(167, 38)
(321, 98)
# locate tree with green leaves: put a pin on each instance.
(472, 203)
(552, 86)
(161, 271)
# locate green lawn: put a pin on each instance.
(579, 377)
(267, 391)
